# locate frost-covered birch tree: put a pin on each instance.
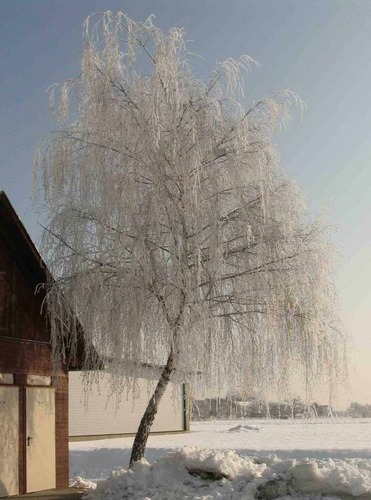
(174, 235)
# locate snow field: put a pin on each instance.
(274, 459)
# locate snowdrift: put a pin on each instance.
(204, 474)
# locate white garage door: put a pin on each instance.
(40, 432)
(101, 415)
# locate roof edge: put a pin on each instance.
(20, 226)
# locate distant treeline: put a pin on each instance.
(235, 407)
(357, 410)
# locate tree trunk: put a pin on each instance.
(145, 425)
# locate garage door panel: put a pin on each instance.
(40, 438)
(100, 414)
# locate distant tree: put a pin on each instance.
(323, 410)
(173, 233)
(296, 406)
(357, 410)
(217, 408)
(275, 409)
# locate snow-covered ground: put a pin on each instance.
(328, 457)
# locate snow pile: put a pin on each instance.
(191, 473)
(244, 428)
(225, 463)
(203, 474)
(333, 476)
(80, 482)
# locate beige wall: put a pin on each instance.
(98, 414)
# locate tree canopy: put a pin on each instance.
(173, 228)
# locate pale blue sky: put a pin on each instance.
(319, 48)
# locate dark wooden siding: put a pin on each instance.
(7, 309)
(20, 308)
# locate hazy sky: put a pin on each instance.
(319, 48)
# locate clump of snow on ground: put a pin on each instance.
(244, 428)
(204, 474)
(225, 463)
(80, 482)
(334, 476)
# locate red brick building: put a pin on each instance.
(33, 401)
